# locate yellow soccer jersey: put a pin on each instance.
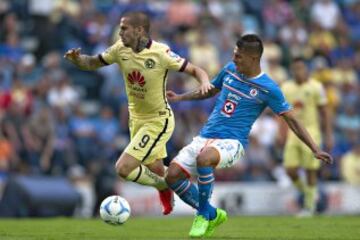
(145, 76)
(305, 99)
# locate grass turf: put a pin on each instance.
(244, 228)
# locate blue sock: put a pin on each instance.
(187, 191)
(205, 184)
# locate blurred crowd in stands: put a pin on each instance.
(58, 120)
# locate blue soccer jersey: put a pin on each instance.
(240, 103)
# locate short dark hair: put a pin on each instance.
(139, 19)
(251, 43)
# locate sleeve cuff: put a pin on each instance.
(183, 66)
(283, 112)
(102, 60)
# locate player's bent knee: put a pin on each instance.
(122, 170)
(292, 173)
(173, 174)
(203, 160)
(311, 176)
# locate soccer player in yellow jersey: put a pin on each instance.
(309, 101)
(144, 64)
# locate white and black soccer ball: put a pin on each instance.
(115, 210)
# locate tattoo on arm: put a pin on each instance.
(196, 94)
(86, 62)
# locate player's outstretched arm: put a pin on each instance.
(201, 76)
(193, 95)
(326, 121)
(84, 62)
(304, 136)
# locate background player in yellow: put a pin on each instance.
(309, 101)
(144, 64)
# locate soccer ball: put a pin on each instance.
(115, 210)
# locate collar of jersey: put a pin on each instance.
(148, 45)
(248, 82)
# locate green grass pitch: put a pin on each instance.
(243, 228)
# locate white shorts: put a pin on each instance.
(230, 151)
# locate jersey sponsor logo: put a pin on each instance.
(235, 98)
(229, 108)
(137, 95)
(149, 63)
(136, 77)
(253, 92)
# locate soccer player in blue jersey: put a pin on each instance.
(244, 92)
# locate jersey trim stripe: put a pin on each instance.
(283, 112)
(148, 45)
(241, 93)
(247, 82)
(102, 59)
(156, 140)
(139, 174)
(164, 93)
(183, 169)
(183, 66)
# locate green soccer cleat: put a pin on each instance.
(199, 227)
(221, 216)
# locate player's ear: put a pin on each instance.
(139, 31)
(255, 57)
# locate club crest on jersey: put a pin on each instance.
(149, 63)
(253, 92)
(229, 108)
(136, 77)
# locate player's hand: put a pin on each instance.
(324, 156)
(73, 54)
(205, 87)
(172, 96)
